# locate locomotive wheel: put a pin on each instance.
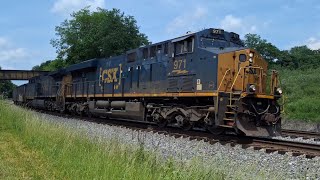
(187, 126)
(82, 113)
(214, 129)
(161, 122)
(89, 114)
(73, 111)
(85, 112)
(183, 122)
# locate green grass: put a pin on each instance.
(302, 94)
(34, 149)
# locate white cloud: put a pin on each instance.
(200, 12)
(313, 43)
(13, 54)
(65, 7)
(239, 25)
(3, 42)
(230, 22)
(10, 54)
(186, 21)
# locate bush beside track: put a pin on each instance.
(31, 148)
(302, 92)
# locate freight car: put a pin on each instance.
(206, 79)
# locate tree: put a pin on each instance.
(50, 65)
(305, 57)
(267, 50)
(6, 88)
(287, 60)
(97, 34)
(41, 66)
(297, 57)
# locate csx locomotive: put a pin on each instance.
(206, 79)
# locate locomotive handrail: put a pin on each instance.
(224, 76)
(244, 73)
(243, 80)
(235, 79)
(274, 81)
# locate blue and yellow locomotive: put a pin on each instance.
(205, 79)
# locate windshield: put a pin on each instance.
(210, 42)
(218, 43)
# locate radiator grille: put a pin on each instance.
(173, 84)
(187, 84)
(181, 84)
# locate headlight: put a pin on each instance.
(252, 88)
(251, 55)
(279, 91)
(250, 60)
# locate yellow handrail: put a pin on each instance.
(224, 76)
(235, 79)
(274, 81)
(244, 73)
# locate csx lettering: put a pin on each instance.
(110, 75)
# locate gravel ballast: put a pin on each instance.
(301, 125)
(235, 162)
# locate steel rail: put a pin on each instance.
(304, 134)
(296, 148)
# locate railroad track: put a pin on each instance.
(303, 134)
(282, 147)
(267, 144)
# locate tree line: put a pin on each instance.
(299, 57)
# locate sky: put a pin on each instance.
(26, 27)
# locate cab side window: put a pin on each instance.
(184, 46)
(159, 47)
(145, 53)
(131, 57)
(166, 48)
(153, 51)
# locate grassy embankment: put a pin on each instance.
(33, 149)
(302, 91)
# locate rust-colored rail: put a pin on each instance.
(303, 134)
(296, 148)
